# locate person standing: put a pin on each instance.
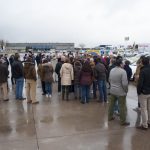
(67, 75)
(118, 91)
(77, 71)
(30, 77)
(128, 69)
(40, 67)
(100, 75)
(143, 90)
(3, 80)
(6, 60)
(38, 58)
(47, 73)
(17, 73)
(86, 79)
(11, 60)
(57, 70)
(136, 78)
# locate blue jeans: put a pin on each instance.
(77, 89)
(94, 89)
(48, 88)
(102, 90)
(85, 93)
(19, 87)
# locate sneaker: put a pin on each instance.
(142, 128)
(112, 118)
(116, 113)
(46, 95)
(36, 102)
(137, 109)
(125, 124)
(50, 96)
(29, 101)
(6, 100)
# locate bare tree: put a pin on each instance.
(2, 44)
(6, 43)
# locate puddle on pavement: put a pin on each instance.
(46, 119)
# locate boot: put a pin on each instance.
(63, 95)
(67, 93)
(67, 96)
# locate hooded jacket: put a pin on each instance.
(86, 75)
(47, 72)
(100, 71)
(29, 71)
(77, 71)
(66, 74)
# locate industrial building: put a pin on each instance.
(40, 46)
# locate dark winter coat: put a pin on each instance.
(128, 71)
(3, 73)
(143, 86)
(17, 69)
(29, 71)
(47, 73)
(77, 71)
(57, 68)
(100, 71)
(86, 76)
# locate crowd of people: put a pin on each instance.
(79, 74)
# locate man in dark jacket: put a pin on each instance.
(6, 60)
(3, 80)
(100, 75)
(57, 70)
(128, 69)
(17, 73)
(143, 90)
(11, 60)
(38, 58)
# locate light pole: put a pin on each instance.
(126, 39)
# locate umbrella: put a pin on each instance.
(94, 54)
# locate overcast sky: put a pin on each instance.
(91, 22)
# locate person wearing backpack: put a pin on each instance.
(30, 76)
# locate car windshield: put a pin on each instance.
(133, 59)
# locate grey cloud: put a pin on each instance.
(80, 21)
